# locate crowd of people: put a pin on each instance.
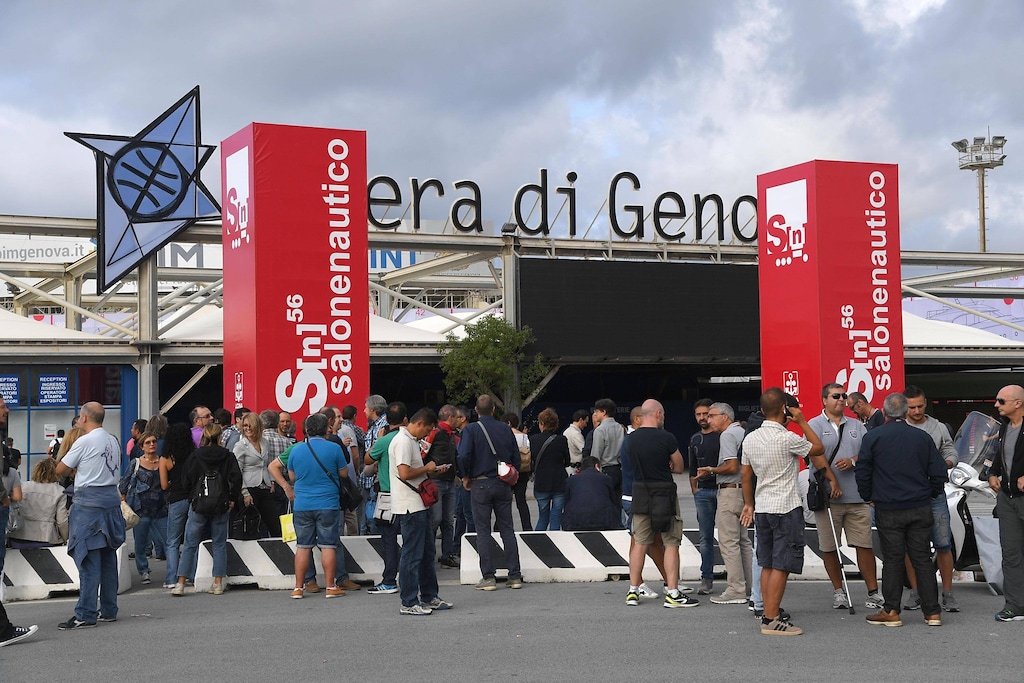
(430, 473)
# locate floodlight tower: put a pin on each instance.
(980, 155)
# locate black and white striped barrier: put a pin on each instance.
(568, 556)
(269, 563)
(39, 573)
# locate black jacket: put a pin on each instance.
(897, 469)
(590, 503)
(1007, 484)
(214, 458)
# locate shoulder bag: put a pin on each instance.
(819, 491)
(348, 496)
(657, 499)
(427, 489)
(507, 473)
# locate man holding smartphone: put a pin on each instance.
(417, 575)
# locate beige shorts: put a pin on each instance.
(852, 518)
(643, 535)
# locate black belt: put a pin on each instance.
(730, 486)
(606, 467)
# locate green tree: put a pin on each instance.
(485, 362)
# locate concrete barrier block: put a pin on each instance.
(39, 573)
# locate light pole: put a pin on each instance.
(979, 155)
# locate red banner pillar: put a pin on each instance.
(829, 275)
(296, 314)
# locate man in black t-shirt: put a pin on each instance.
(704, 452)
(655, 456)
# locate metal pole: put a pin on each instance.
(149, 352)
(510, 297)
(981, 206)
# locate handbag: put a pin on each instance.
(349, 497)
(130, 516)
(131, 494)
(819, 491)
(656, 499)
(246, 524)
(288, 525)
(382, 512)
(507, 473)
(427, 489)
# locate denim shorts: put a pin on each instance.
(942, 536)
(320, 528)
(780, 540)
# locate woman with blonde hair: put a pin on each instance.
(44, 509)
(253, 459)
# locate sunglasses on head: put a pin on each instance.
(838, 396)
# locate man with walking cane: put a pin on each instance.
(841, 437)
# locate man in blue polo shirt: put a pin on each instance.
(316, 467)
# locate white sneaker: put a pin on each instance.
(839, 600)
(646, 591)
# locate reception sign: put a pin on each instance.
(829, 278)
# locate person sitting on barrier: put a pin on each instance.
(142, 484)
(590, 500)
(12, 485)
(44, 510)
(208, 464)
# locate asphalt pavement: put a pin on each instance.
(569, 631)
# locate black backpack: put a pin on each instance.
(210, 495)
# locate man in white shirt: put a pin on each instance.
(574, 435)
(416, 572)
(96, 527)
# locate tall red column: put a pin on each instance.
(829, 276)
(296, 314)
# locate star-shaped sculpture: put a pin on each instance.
(148, 187)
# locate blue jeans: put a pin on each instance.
(706, 502)
(416, 573)
(194, 528)
(369, 506)
(340, 571)
(177, 515)
(148, 528)
(97, 574)
(442, 514)
(489, 495)
(755, 579)
(549, 510)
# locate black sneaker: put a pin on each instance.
(1008, 614)
(106, 619)
(74, 623)
(18, 633)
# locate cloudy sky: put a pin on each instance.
(695, 97)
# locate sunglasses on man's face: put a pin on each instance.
(1002, 401)
(838, 396)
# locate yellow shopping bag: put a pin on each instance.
(288, 526)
